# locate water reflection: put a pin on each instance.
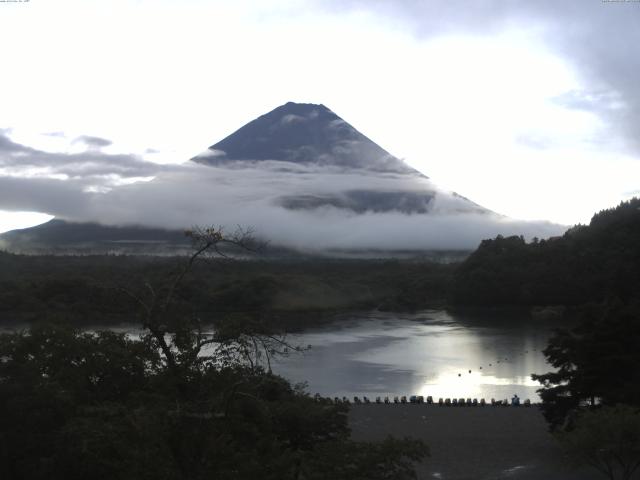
(474, 385)
(429, 353)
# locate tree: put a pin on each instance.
(587, 264)
(177, 335)
(179, 403)
(608, 439)
(596, 363)
(54, 377)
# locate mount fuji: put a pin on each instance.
(304, 178)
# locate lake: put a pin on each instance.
(432, 352)
(427, 353)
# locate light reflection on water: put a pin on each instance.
(428, 353)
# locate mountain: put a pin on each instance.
(304, 178)
(303, 133)
(312, 136)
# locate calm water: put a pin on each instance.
(428, 353)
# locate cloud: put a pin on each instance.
(291, 118)
(596, 101)
(539, 142)
(252, 194)
(92, 169)
(56, 197)
(93, 142)
(9, 148)
(210, 195)
(593, 37)
(210, 153)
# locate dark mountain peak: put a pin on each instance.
(303, 133)
(300, 108)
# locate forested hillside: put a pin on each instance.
(588, 263)
(90, 288)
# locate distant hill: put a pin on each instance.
(58, 235)
(586, 264)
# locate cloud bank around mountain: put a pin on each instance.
(96, 186)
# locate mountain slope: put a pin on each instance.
(310, 136)
(303, 133)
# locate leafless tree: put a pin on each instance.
(183, 341)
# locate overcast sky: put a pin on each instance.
(529, 108)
